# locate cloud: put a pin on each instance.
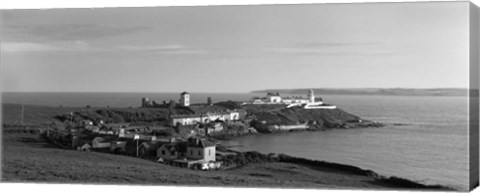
(65, 32)
(332, 48)
(166, 49)
(82, 46)
(338, 44)
(26, 47)
(18, 47)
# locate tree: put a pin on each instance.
(172, 105)
(117, 118)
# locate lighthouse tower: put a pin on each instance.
(311, 96)
(185, 99)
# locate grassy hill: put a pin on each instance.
(278, 114)
(27, 158)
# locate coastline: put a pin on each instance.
(320, 168)
(47, 163)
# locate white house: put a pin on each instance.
(204, 118)
(185, 99)
(274, 98)
(295, 100)
(310, 102)
(258, 100)
(234, 115)
(185, 119)
(194, 151)
(200, 149)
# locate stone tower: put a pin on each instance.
(185, 99)
(311, 96)
(209, 101)
(145, 102)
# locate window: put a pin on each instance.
(208, 152)
(199, 152)
(191, 152)
(163, 152)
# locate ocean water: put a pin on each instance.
(111, 99)
(432, 146)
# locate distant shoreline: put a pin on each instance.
(322, 91)
(378, 91)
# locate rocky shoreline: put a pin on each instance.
(393, 180)
(242, 159)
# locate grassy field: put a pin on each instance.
(28, 158)
(33, 115)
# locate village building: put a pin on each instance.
(214, 127)
(295, 100)
(185, 99)
(101, 142)
(274, 97)
(149, 149)
(187, 154)
(258, 100)
(310, 102)
(146, 102)
(191, 119)
(171, 151)
(118, 146)
(85, 147)
(200, 149)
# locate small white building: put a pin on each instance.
(295, 100)
(310, 102)
(234, 115)
(185, 99)
(274, 97)
(258, 100)
(185, 119)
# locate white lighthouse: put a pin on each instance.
(185, 99)
(311, 96)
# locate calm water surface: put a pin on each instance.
(432, 148)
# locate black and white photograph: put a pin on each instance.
(357, 96)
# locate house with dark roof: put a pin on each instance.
(171, 151)
(195, 150)
(200, 149)
(149, 149)
(102, 142)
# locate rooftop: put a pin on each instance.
(194, 142)
(273, 94)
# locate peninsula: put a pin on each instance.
(178, 138)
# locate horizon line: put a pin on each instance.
(214, 92)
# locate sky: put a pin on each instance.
(235, 48)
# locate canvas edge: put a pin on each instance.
(474, 80)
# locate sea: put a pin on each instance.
(425, 140)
